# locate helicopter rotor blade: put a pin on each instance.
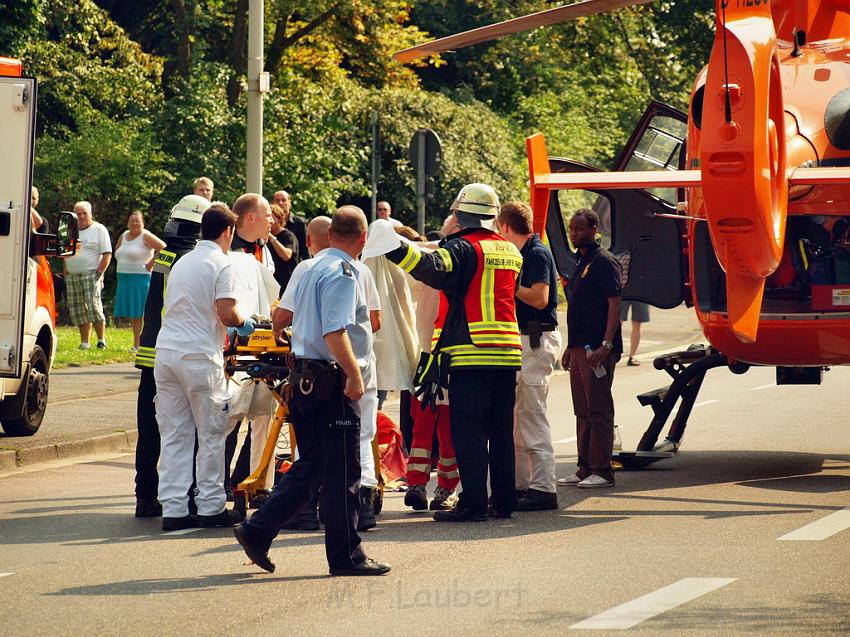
(516, 25)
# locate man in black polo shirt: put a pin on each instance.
(536, 304)
(594, 345)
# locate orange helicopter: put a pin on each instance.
(740, 208)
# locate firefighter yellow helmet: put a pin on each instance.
(190, 208)
(477, 199)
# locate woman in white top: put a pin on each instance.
(134, 253)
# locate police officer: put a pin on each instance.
(332, 343)
(476, 327)
(180, 235)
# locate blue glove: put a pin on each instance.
(247, 328)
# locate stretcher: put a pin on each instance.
(265, 360)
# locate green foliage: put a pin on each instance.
(19, 21)
(117, 165)
(87, 67)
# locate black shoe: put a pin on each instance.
(495, 513)
(534, 500)
(228, 517)
(178, 524)
(366, 567)
(367, 519)
(304, 522)
(257, 555)
(415, 498)
(148, 508)
(459, 514)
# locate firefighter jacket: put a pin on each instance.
(176, 246)
(476, 270)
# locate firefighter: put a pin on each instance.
(181, 234)
(476, 343)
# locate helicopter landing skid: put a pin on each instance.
(688, 370)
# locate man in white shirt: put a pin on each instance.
(384, 211)
(84, 276)
(192, 397)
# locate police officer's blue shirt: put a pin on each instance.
(328, 298)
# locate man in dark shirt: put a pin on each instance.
(594, 345)
(295, 224)
(536, 305)
(283, 246)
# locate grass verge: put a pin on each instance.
(119, 340)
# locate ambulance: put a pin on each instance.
(27, 299)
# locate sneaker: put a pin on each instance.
(228, 517)
(366, 567)
(570, 481)
(101, 345)
(178, 524)
(632, 362)
(667, 445)
(441, 501)
(148, 508)
(85, 345)
(594, 482)
(415, 498)
(618, 444)
(534, 500)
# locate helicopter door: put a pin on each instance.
(17, 124)
(648, 246)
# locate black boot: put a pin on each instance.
(367, 511)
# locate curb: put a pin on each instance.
(118, 441)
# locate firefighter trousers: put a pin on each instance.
(419, 460)
(481, 403)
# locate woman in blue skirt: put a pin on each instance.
(134, 254)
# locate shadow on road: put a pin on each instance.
(196, 584)
(94, 520)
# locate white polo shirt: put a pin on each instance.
(190, 324)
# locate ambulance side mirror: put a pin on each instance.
(63, 243)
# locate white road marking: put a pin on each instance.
(639, 610)
(704, 403)
(823, 528)
(566, 440)
(6, 574)
(768, 386)
(182, 531)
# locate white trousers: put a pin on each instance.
(191, 398)
(368, 405)
(535, 457)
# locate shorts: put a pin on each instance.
(640, 311)
(83, 294)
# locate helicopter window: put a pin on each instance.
(571, 200)
(659, 149)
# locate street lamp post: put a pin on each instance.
(258, 83)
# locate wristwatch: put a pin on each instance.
(609, 345)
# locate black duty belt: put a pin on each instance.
(317, 377)
(544, 327)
